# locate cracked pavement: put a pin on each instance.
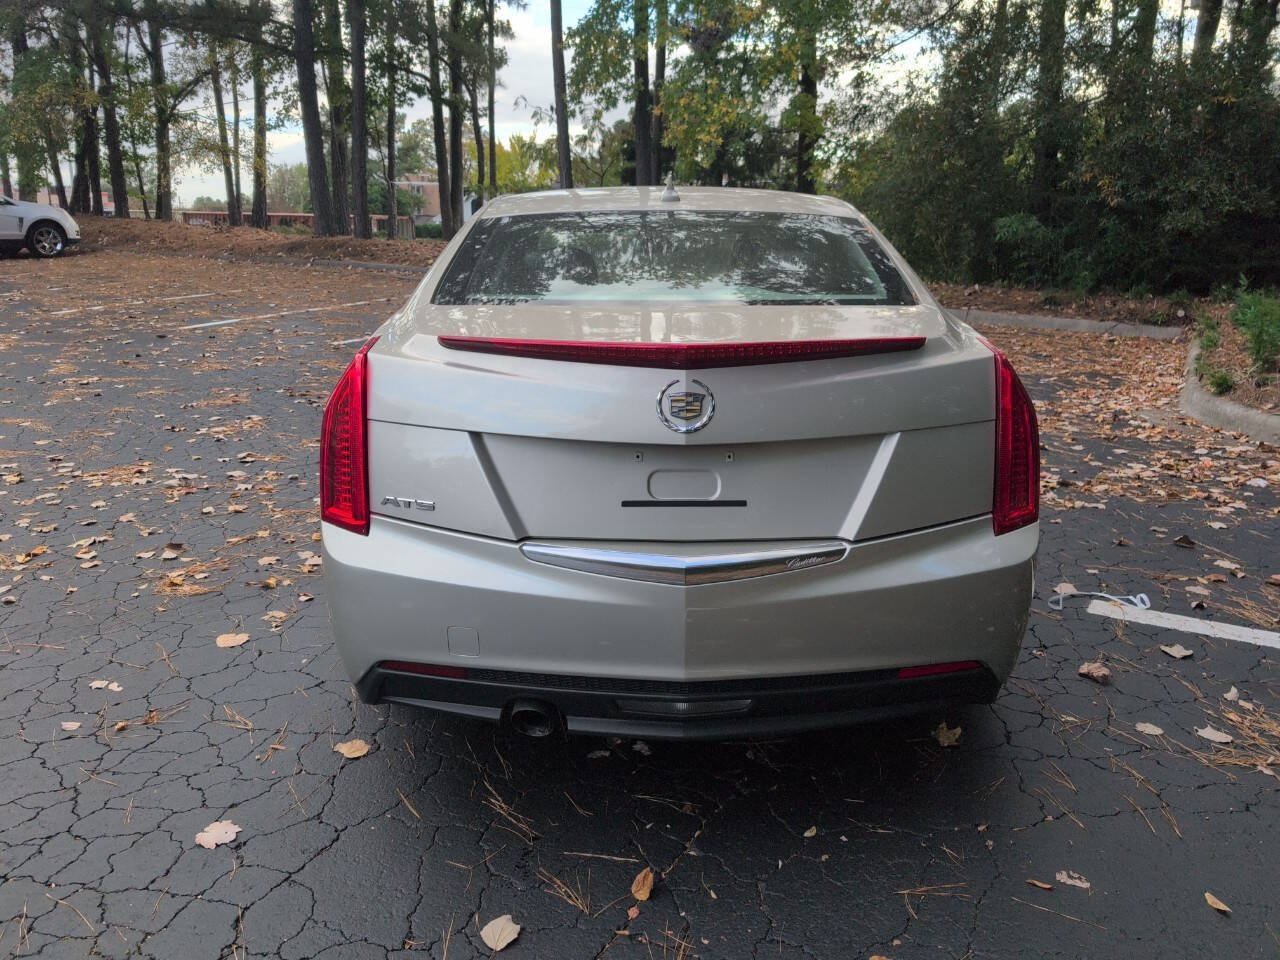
(125, 439)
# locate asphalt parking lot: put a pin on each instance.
(157, 491)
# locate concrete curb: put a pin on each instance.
(333, 264)
(1220, 412)
(1040, 322)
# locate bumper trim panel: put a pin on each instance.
(691, 567)
(711, 709)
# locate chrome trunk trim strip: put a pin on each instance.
(691, 568)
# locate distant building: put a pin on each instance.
(427, 190)
(49, 195)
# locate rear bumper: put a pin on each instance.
(701, 710)
(577, 639)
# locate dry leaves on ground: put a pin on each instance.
(217, 833)
(231, 639)
(500, 932)
(1213, 734)
(1072, 879)
(1175, 650)
(351, 749)
(1095, 671)
(1150, 729)
(946, 736)
(642, 885)
(70, 725)
(1217, 904)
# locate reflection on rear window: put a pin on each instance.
(644, 256)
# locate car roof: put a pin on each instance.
(650, 198)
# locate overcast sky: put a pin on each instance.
(527, 75)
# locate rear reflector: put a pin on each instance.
(933, 669)
(344, 449)
(682, 356)
(1015, 501)
(424, 669)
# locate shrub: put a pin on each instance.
(1258, 317)
(428, 231)
(1219, 382)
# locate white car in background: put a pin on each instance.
(704, 463)
(45, 230)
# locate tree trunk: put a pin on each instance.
(163, 114)
(493, 84)
(259, 215)
(142, 186)
(447, 227)
(80, 178)
(93, 153)
(392, 204)
(110, 123)
(659, 81)
(1207, 19)
(475, 132)
(806, 103)
(1048, 105)
(359, 121)
(643, 115)
(55, 168)
(304, 55)
(28, 171)
(339, 96)
(1144, 32)
(564, 158)
(6, 184)
(235, 134)
(228, 178)
(457, 109)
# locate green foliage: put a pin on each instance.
(1219, 382)
(1258, 317)
(428, 231)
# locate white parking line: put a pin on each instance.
(134, 303)
(283, 313)
(1174, 621)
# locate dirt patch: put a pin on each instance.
(1231, 357)
(180, 239)
(1109, 308)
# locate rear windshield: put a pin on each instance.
(646, 256)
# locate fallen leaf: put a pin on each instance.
(632, 912)
(172, 551)
(114, 687)
(1040, 884)
(1226, 564)
(122, 725)
(641, 748)
(1064, 589)
(97, 684)
(499, 932)
(1150, 729)
(946, 736)
(1071, 879)
(1217, 904)
(231, 639)
(1213, 735)
(1176, 650)
(1233, 695)
(1184, 541)
(217, 833)
(642, 885)
(811, 832)
(70, 725)
(268, 561)
(351, 749)
(1095, 671)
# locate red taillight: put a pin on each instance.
(682, 356)
(344, 449)
(1016, 500)
(425, 669)
(934, 669)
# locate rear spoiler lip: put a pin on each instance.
(681, 356)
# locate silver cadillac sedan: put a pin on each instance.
(691, 462)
